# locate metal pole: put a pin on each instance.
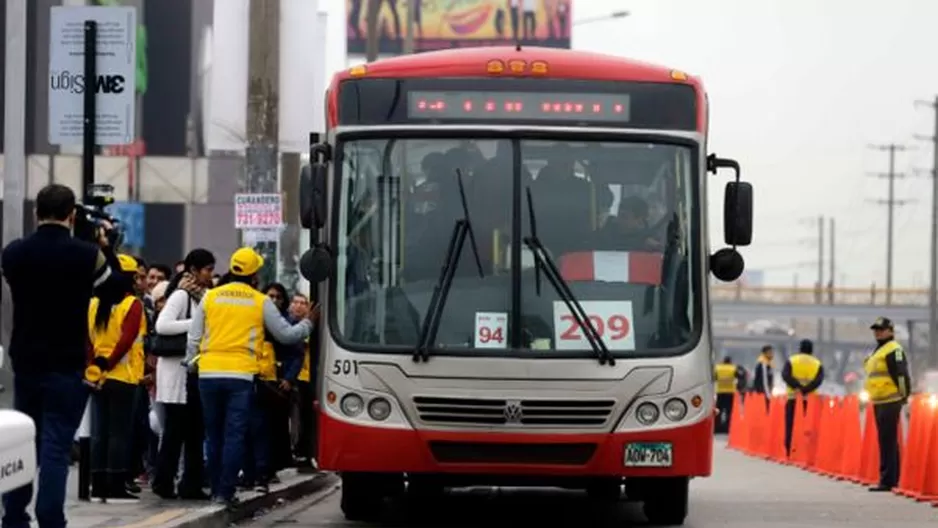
(90, 108)
(261, 158)
(411, 26)
(14, 148)
(290, 237)
(891, 211)
(820, 274)
(933, 283)
(831, 258)
(371, 29)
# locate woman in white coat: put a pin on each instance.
(176, 389)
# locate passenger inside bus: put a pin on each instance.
(628, 230)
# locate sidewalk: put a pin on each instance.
(152, 511)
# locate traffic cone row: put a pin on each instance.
(828, 438)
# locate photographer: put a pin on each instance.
(52, 278)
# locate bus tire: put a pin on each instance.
(666, 502)
(362, 496)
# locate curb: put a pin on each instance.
(220, 517)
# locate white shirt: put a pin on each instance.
(170, 373)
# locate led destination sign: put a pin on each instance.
(518, 106)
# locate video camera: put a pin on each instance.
(90, 216)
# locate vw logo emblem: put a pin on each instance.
(514, 415)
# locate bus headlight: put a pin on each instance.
(675, 409)
(647, 413)
(379, 409)
(352, 404)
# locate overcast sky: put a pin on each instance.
(798, 90)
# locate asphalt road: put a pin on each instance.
(743, 493)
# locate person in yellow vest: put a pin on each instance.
(305, 449)
(803, 373)
(116, 328)
(726, 375)
(225, 337)
(888, 383)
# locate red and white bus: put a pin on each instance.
(512, 258)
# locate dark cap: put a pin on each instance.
(882, 323)
(806, 346)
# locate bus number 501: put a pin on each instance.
(345, 367)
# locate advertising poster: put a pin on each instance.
(444, 24)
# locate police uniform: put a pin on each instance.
(226, 340)
(726, 376)
(118, 353)
(803, 373)
(888, 384)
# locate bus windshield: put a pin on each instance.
(619, 219)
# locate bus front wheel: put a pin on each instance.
(666, 501)
(363, 494)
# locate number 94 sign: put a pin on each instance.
(611, 319)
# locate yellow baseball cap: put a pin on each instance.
(127, 262)
(245, 262)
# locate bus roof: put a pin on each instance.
(472, 62)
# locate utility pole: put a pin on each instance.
(933, 245)
(14, 149)
(411, 26)
(820, 274)
(261, 159)
(890, 204)
(831, 259)
(371, 30)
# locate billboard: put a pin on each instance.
(444, 24)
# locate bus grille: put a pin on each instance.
(536, 413)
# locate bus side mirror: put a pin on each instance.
(737, 213)
(727, 265)
(313, 196)
(306, 198)
(316, 264)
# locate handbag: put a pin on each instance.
(172, 345)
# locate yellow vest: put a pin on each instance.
(879, 384)
(267, 362)
(304, 372)
(130, 368)
(725, 374)
(804, 368)
(234, 331)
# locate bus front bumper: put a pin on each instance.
(356, 448)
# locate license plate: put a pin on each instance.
(649, 454)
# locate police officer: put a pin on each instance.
(803, 373)
(227, 331)
(888, 384)
(763, 376)
(52, 279)
(727, 376)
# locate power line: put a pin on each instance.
(891, 203)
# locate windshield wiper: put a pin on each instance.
(431, 322)
(542, 258)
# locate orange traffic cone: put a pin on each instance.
(869, 451)
(852, 439)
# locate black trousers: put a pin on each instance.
(140, 434)
(790, 420)
(276, 405)
(306, 442)
(725, 408)
(887, 427)
(183, 429)
(111, 427)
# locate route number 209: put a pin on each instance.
(345, 367)
(612, 320)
